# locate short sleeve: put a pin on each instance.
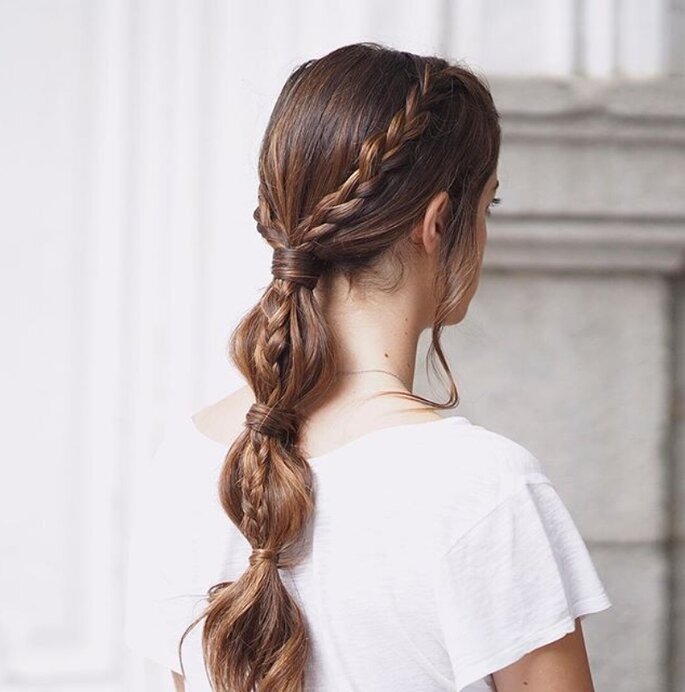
(515, 581)
(162, 595)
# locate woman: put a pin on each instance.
(373, 544)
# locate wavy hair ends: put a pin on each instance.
(358, 143)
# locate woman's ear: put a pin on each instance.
(429, 231)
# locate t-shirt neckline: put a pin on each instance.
(371, 434)
(379, 432)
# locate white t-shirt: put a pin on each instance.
(439, 553)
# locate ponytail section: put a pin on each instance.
(255, 635)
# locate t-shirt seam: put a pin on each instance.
(511, 496)
(529, 477)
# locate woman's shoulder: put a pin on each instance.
(486, 442)
(462, 453)
(222, 420)
(487, 454)
(195, 439)
(462, 445)
(476, 469)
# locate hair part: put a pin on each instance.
(358, 143)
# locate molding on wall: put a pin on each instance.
(626, 100)
(561, 132)
(587, 243)
(568, 110)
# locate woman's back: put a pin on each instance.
(438, 552)
(432, 552)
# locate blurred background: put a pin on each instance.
(129, 132)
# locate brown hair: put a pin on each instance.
(358, 143)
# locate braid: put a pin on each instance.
(379, 155)
(268, 362)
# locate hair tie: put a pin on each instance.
(297, 265)
(264, 555)
(271, 421)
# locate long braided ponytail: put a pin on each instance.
(357, 144)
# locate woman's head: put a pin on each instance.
(359, 144)
(375, 170)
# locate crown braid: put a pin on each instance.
(379, 155)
